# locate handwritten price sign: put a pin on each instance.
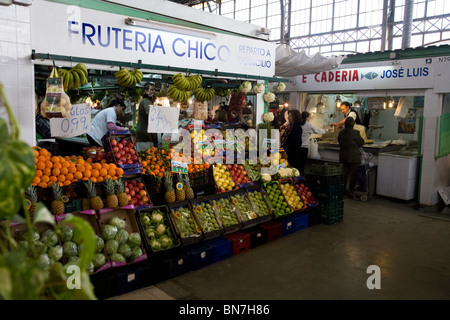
(163, 119)
(76, 123)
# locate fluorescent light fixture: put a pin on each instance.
(170, 28)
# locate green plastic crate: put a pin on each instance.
(327, 169)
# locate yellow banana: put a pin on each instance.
(76, 79)
(83, 68)
(81, 75)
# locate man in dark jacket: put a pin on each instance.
(349, 154)
(291, 139)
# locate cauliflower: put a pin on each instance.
(166, 242)
(157, 217)
(268, 117)
(279, 87)
(259, 88)
(161, 229)
(155, 244)
(269, 97)
(266, 177)
(245, 87)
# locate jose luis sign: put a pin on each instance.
(403, 74)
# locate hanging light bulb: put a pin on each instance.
(357, 103)
(385, 103)
(320, 104)
(338, 101)
(391, 102)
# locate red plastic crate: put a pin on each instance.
(241, 241)
(274, 230)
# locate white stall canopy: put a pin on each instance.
(289, 63)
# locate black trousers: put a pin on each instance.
(294, 159)
(349, 174)
(302, 160)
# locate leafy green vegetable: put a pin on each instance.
(117, 257)
(49, 238)
(134, 239)
(66, 234)
(99, 244)
(136, 252)
(111, 246)
(109, 232)
(99, 260)
(117, 222)
(55, 253)
(122, 236)
(70, 249)
(125, 250)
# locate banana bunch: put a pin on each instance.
(187, 83)
(221, 91)
(74, 77)
(128, 78)
(177, 94)
(202, 94)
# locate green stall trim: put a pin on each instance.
(215, 73)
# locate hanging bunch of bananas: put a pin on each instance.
(128, 78)
(221, 91)
(202, 94)
(177, 94)
(75, 77)
(187, 83)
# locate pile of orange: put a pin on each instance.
(65, 170)
(155, 161)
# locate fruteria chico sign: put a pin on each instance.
(399, 74)
(87, 33)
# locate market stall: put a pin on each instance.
(397, 96)
(206, 185)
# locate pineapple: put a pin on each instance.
(57, 205)
(31, 195)
(111, 198)
(188, 188)
(180, 193)
(170, 193)
(95, 202)
(121, 194)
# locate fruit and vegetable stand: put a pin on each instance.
(240, 210)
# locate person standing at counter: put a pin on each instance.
(105, 121)
(307, 129)
(348, 111)
(349, 154)
(142, 124)
(291, 138)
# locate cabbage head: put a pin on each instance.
(109, 232)
(122, 236)
(117, 222)
(99, 244)
(111, 246)
(66, 234)
(134, 239)
(136, 252)
(70, 249)
(125, 250)
(99, 260)
(55, 253)
(49, 238)
(117, 257)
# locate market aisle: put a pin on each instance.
(411, 246)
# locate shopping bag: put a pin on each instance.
(313, 150)
(56, 103)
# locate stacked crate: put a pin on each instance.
(327, 184)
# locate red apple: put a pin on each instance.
(113, 142)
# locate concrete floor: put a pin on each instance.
(409, 243)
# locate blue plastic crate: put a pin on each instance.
(201, 255)
(288, 225)
(222, 248)
(130, 279)
(300, 221)
(179, 262)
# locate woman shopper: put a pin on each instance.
(349, 154)
(105, 121)
(291, 139)
(308, 129)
